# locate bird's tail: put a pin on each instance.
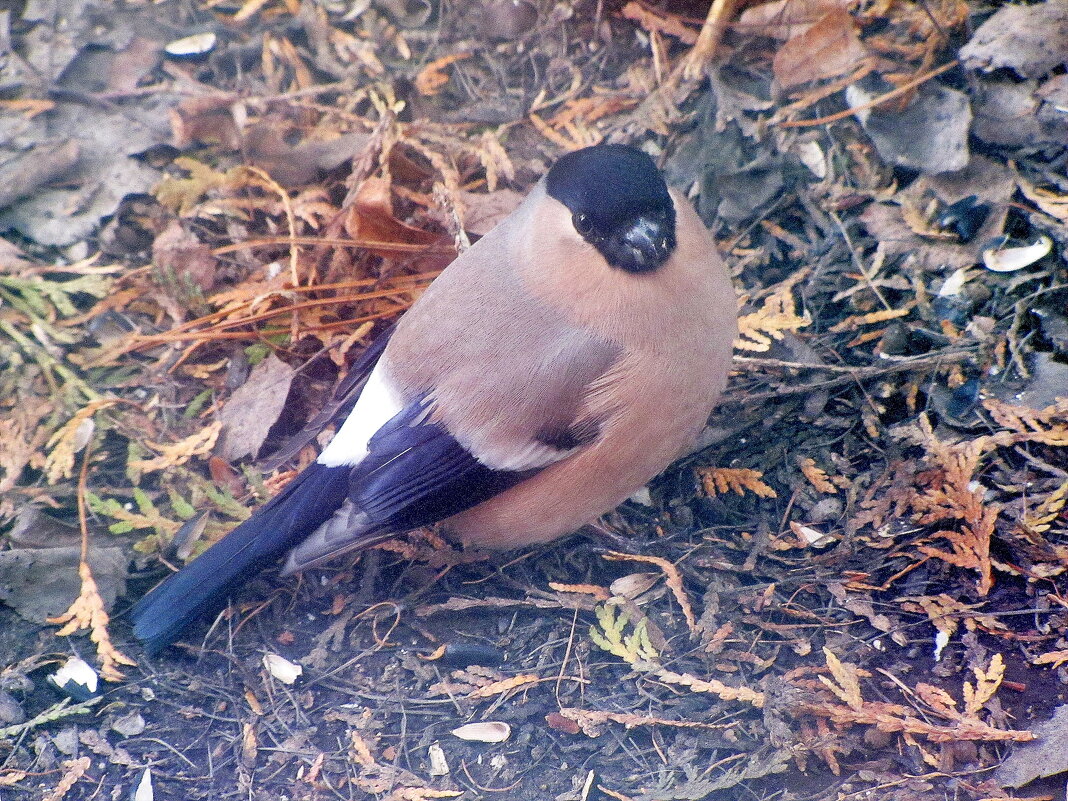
(203, 585)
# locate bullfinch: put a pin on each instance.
(549, 372)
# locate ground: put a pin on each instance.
(853, 589)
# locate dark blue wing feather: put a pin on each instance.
(201, 587)
(415, 474)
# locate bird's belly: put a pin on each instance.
(577, 490)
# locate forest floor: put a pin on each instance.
(855, 589)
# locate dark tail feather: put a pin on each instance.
(203, 585)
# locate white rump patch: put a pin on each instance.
(377, 405)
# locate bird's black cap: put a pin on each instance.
(619, 202)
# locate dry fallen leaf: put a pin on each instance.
(253, 408)
(177, 252)
(1030, 39)
(719, 480)
(930, 134)
(1048, 756)
(40, 582)
(829, 49)
(659, 22)
(786, 19)
(370, 220)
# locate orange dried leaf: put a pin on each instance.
(494, 159)
(249, 9)
(951, 496)
(599, 593)
(360, 751)
(432, 78)
(591, 721)
(421, 794)
(880, 316)
(925, 754)
(845, 682)
(469, 679)
(1053, 658)
(786, 19)
(250, 744)
(1042, 516)
(354, 49)
(672, 577)
(504, 685)
(204, 118)
(817, 477)
(777, 315)
(713, 686)
(1048, 426)
(719, 480)
(589, 109)
(27, 106)
(558, 139)
(370, 219)
(87, 612)
(10, 777)
(894, 718)
(941, 611)
(936, 698)
(987, 683)
(73, 769)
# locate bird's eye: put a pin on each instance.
(582, 222)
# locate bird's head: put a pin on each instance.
(619, 203)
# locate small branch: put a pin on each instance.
(852, 374)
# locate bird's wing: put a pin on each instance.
(420, 466)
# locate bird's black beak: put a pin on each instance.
(643, 245)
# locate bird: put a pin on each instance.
(549, 372)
